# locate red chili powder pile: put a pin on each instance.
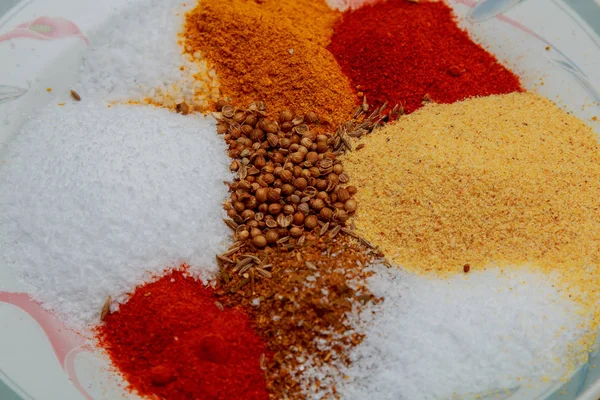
(173, 341)
(401, 51)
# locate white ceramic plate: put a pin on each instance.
(41, 46)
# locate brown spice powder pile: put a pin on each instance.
(305, 298)
(500, 180)
(270, 51)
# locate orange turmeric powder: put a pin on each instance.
(268, 50)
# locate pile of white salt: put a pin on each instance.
(97, 199)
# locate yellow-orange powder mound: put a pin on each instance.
(501, 180)
(273, 51)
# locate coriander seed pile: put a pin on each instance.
(289, 183)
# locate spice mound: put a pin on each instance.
(504, 180)
(300, 299)
(272, 50)
(290, 182)
(174, 340)
(410, 52)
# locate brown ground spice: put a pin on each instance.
(271, 51)
(305, 297)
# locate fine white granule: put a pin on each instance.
(97, 199)
(136, 56)
(433, 338)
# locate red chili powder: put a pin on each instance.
(400, 51)
(170, 340)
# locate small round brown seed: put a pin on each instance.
(260, 162)
(350, 205)
(251, 120)
(338, 169)
(311, 117)
(271, 127)
(352, 190)
(231, 213)
(220, 104)
(343, 195)
(268, 178)
(298, 218)
(243, 235)
(296, 232)
(259, 241)
(257, 135)
(304, 208)
(312, 158)
(222, 128)
(261, 194)
(239, 206)
(288, 209)
(272, 139)
(311, 222)
(245, 129)
(287, 189)
(274, 194)
(300, 183)
(251, 202)
(322, 147)
(315, 172)
(255, 232)
(272, 236)
(321, 184)
(326, 214)
(274, 209)
(297, 171)
(322, 195)
(286, 176)
(277, 158)
(247, 214)
(239, 117)
(340, 215)
(297, 157)
(286, 115)
(317, 204)
(306, 142)
(285, 143)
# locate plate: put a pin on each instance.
(553, 45)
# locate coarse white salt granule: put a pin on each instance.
(136, 56)
(434, 339)
(97, 199)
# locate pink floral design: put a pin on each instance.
(65, 342)
(45, 28)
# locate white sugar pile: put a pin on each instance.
(136, 55)
(435, 339)
(96, 199)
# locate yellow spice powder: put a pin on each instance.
(501, 180)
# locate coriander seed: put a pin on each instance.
(259, 241)
(350, 205)
(272, 236)
(311, 222)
